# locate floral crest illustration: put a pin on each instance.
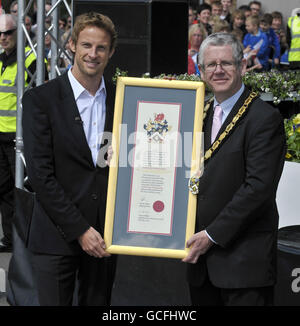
(156, 129)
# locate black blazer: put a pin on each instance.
(70, 190)
(236, 201)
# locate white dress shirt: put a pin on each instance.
(92, 111)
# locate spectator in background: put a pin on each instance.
(281, 35)
(238, 34)
(221, 27)
(274, 45)
(47, 45)
(256, 42)
(277, 21)
(226, 6)
(192, 16)
(214, 20)
(197, 33)
(204, 13)
(13, 9)
(69, 23)
(216, 8)
(255, 7)
(246, 10)
(62, 23)
(48, 6)
(238, 21)
(28, 26)
(293, 39)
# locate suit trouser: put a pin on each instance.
(209, 295)
(56, 277)
(7, 182)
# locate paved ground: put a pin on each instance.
(4, 262)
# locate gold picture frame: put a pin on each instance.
(189, 96)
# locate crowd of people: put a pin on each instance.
(265, 39)
(64, 32)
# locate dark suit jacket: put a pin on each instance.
(70, 190)
(236, 200)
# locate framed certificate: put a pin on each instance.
(157, 137)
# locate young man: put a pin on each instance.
(64, 125)
(233, 252)
(257, 41)
(216, 8)
(255, 7)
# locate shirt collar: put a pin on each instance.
(228, 104)
(78, 89)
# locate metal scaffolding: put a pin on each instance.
(38, 47)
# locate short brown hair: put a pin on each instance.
(277, 15)
(98, 20)
(267, 19)
(254, 20)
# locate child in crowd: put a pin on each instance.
(256, 43)
(238, 21)
(277, 20)
(226, 6)
(222, 26)
(274, 45)
(238, 34)
(246, 10)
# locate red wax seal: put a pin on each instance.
(158, 206)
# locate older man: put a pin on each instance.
(233, 252)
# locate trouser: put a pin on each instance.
(209, 295)
(7, 182)
(56, 277)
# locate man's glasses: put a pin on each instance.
(225, 65)
(9, 32)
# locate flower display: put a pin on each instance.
(282, 85)
(292, 131)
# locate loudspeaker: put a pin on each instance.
(152, 35)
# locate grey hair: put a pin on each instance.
(221, 39)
